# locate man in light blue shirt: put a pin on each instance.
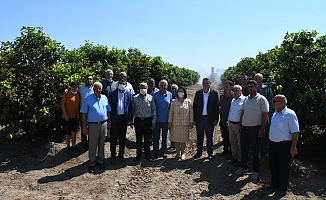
(283, 135)
(96, 119)
(162, 99)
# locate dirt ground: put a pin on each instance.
(38, 169)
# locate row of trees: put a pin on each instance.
(35, 69)
(297, 69)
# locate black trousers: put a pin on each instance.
(225, 136)
(249, 137)
(280, 163)
(118, 129)
(143, 127)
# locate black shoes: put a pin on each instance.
(91, 170)
(149, 159)
(210, 157)
(233, 161)
(197, 155)
(280, 193)
(156, 155)
(163, 155)
(270, 187)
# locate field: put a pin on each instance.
(38, 168)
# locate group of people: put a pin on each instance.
(247, 120)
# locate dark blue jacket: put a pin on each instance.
(113, 100)
(212, 106)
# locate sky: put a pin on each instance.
(192, 34)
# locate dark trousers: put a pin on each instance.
(249, 137)
(280, 163)
(143, 127)
(225, 136)
(118, 129)
(205, 126)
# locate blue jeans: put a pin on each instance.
(156, 137)
(201, 126)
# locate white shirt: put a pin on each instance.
(236, 109)
(120, 107)
(283, 124)
(205, 97)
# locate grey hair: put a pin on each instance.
(259, 74)
(174, 85)
(237, 86)
(97, 84)
(143, 84)
(163, 81)
(106, 71)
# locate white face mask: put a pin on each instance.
(181, 94)
(122, 87)
(74, 92)
(143, 91)
(109, 79)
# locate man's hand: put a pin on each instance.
(109, 124)
(153, 126)
(293, 151)
(130, 124)
(191, 125)
(85, 131)
(261, 132)
(215, 122)
(67, 118)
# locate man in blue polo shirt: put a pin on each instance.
(96, 119)
(162, 99)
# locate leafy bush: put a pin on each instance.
(296, 69)
(34, 70)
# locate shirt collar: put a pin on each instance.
(209, 90)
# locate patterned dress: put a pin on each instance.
(181, 116)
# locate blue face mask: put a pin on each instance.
(109, 79)
(122, 87)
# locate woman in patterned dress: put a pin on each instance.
(180, 120)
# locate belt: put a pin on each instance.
(121, 115)
(283, 141)
(143, 118)
(249, 127)
(97, 122)
(234, 122)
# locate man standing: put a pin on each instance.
(96, 114)
(84, 91)
(162, 99)
(225, 102)
(284, 133)
(120, 100)
(266, 91)
(234, 123)
(174, 92)
(206, 115)
(128, 85)
(253, 120)
(108, 85)
(151, 86)
(144, 111)
(244, 81)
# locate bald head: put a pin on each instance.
(281, 97)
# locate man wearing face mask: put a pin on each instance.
(108, 85)
(128, 85)
(120, 100)
(144, 111)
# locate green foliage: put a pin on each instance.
(34, 71)
(296, 69)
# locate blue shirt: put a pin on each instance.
(96, 108)
(283, 124)
(162, 103)
(84, 91)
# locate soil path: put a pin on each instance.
(33, 169)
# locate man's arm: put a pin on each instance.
(293, 149)
(263, 124)
(85, 131)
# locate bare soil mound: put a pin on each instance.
(37, 168)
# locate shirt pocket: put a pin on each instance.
(281, 124)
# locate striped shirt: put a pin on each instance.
(144, 106)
